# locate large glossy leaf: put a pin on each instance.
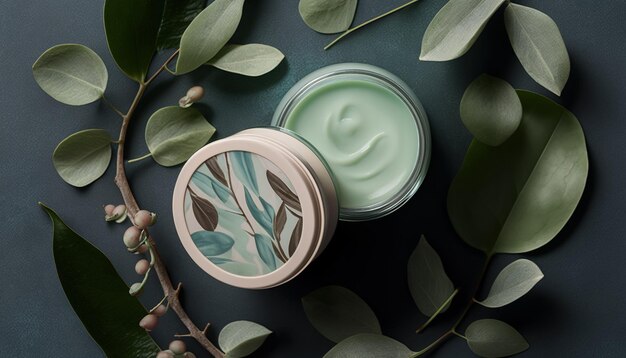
(428, 282)
(513, 282)
(241, 338)
(208, 33)
(212, 243)
(72, 74)
(538, 44)
(491, 110)
(516, 197)
(132, 27)
(455, 28)
(173, 134)
(248, 60)
(83, 157)
(369, 345)
(177, 15)
(493, 338)
(98, 295)
(338, 313)
(328, 16)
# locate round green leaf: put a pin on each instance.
(455, 28)
(513, 282)
(369, 345)
(72, 74)
(83, 157)
(491, 110)
(493, 338)
(338, 313)
(328, 16)
(132, 27)
(538, 44)
(248, 60)
(173, 134)
(208, 33)
(242, 338)
(516, 197)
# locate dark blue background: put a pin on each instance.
(576, 311)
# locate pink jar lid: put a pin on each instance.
(254, 209)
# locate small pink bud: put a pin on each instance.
(165, 354)
(178, 347)
(132, 237)
(161, 310)
(194, 94)
(149, 322)
(108, 209)
(144, 218)
(142, 266)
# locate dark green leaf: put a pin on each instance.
(491, 110)
(132, 28)
(72, 74)
(538, 44)
(513, 282)
(369, 345)
(83, 157)
(98, 295)
(208, 33)
(177, 16)
(241, 338)
(328, 16)
(248, 60)
(428, 282)
(204, 212)
(338, 313)
(266, 252)
(492, 338)
(212, 243)
(516, 197)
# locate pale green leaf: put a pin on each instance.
(83, 157)
(338, 313)
(248, 60)
(242, 338)
(491, 110)
(72, 74)
(173, 134)
(513, 282)
(538, 44)
(493, 338)
(131, 28)
(428, 282)
(455, 28)
(516, 197)
(328, 16)
(177, 15)
(369, 345)
(208, 33)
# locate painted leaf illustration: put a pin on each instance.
(284, 193)
(215, 169)
(493, 338)
(295, 237)
(244, 170)
(513, 282)
(264, 247)
(265, 216)
(212, 243)
(223, 193)
(204, 211)
(220, 260)
(204, 183)
(369, 345)
(428, 282)
(279, 221)
(242, 338)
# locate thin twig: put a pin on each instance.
(163, 67)
(108, 103)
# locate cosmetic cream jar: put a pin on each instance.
(253, 210)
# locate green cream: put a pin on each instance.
(367, 135)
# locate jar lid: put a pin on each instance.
(254, 209)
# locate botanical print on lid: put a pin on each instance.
(243, 213)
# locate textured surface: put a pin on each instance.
(575, 311)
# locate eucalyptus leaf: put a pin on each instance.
(243, 167)
(369, 345)
(265, 250)
(493, 338)
(98, 295)
(212, 243)
(538, 44)
(516, 197)
(83, 157)
(513, 282)
(241, 338)
(72, 74)
(282, 190)
(338, 313)
(216, 170)
(177, 15)
(173, 134)
(132, 27)
(455, 28)
(328, 16)
(264, 217)
(208, 33)
(491, 110)
(204, 212)
(248, 60)
(296, 234)
(428, 282)
(279, 221)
